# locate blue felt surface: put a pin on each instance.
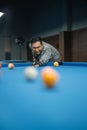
(29, 105)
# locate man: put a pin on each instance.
(43, 52)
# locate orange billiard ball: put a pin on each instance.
(50, 76)
(56, 64)
(11, 66)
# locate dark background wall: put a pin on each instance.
(37, 18)
(79, 14)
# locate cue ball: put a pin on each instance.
(50, 76)
(30, 73)
(11, 66)
(56, 64)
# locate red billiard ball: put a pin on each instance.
(0, 65)
(11, 66)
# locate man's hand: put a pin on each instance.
(37, 65)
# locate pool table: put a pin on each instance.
(30, 105)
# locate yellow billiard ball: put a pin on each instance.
(56, 64)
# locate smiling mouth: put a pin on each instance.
(38, 52)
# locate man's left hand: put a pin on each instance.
(37, 65)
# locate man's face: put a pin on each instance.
(37, 47)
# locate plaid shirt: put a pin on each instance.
(48, 54)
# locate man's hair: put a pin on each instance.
(36, 39)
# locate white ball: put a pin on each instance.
(30, 73)
(10, 65)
